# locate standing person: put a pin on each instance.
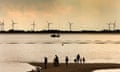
(45, 62)
(83, 59)
(78, 58)
(75, 60)
(66, 60)
(57, 60)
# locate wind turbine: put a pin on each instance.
(114, 25)
(13, 25)
(33, 26)
(49, 25)
(109, 26)
(2, 25)
(70, 26)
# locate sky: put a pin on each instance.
(84, 14)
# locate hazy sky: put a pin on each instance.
(84, 14)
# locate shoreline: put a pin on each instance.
(75, 67)
(61, 32)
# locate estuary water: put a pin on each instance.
(96, 48)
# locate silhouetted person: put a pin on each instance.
(78, 58)
(66, 60)
(83, 59)
(75, 60)
(56, 60)
(45, 62)
(38, 69)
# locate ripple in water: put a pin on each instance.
(30, 43)
(67, 42)
(12, 43)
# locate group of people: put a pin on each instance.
(78, 59)
(56, 63)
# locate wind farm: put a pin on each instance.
(110, 28)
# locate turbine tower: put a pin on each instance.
(109, 26)
(33, 26)
(13, 25)
(70, 26)
(49, 25)
(114, 25)
(2, 25)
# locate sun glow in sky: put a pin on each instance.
(84, 14)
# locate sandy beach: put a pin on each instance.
(73, 67)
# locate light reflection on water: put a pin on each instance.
(15, 67)
(108, 70)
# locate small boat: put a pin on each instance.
(55, 35)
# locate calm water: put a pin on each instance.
(34, 47)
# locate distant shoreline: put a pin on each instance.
(59, 31)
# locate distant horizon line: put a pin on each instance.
(62, 31)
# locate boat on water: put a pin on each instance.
(55, 35)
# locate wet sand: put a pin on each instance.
(73, 67)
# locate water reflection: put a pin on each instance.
(108, 70)
(15, 67)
